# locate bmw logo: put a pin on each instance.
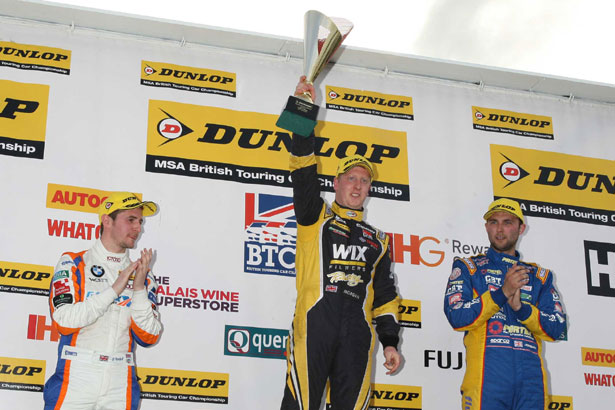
(97, 271)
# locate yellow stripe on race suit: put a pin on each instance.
(488, 309)
(533, 324)
(309, 292)
(301, 162)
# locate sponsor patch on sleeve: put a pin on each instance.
(63, 299)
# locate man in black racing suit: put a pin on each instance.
(343, 283)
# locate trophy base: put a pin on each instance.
(299, 117)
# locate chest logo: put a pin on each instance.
(350, 252)
(97, 271)
(351, 279)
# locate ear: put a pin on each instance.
(522, 228)
(335, 183)
(106, 221)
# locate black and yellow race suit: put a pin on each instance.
(343, 283)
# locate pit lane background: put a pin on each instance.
(100, 128)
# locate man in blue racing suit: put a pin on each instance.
(506, 308)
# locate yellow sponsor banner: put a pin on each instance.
(74, 198)
(527, 125)
(22, 374)
(23, 118)
(247, 147)
(554, 185)
(598, 357)
(410, 313)
(204, 80)
(25, 278)
(34, 57)
(183, 385)
(369, 102)
(560, 403)
(393, 396)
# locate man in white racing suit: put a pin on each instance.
(102, 303)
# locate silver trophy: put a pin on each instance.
(322, 36)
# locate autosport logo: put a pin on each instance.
(555, 186)
(255, 342)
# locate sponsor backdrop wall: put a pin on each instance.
(192, 128)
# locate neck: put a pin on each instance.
(110, 245)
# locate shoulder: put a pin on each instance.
(471, 263)
(76, 257)
(541, 273)
(370, 230)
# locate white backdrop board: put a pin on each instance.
(84, 112)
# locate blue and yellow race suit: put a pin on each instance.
(505, 368)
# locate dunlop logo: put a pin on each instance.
(22, 374)
(387, 396)
(25, 278)
(184, 385)
(23, 119)
(410, 313)
(560, 403)
(247, 147)
(369, 102)
(554, 185)
(33, 57)
(526, 125)
(200, 80)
